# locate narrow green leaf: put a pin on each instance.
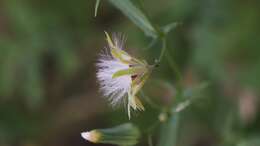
(135, 15)
(130, 71)
(96, 7)
(169, 131)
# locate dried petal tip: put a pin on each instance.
(92, 136)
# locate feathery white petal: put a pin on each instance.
(114, 88)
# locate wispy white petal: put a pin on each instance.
(113, 88)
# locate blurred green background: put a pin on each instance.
(48, 50)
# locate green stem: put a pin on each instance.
(169, 131)
(175, 69)
(163, 50)
(150, 102)
(150, 140)
(152, 127)
(173, 65)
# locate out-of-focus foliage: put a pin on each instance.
(48, 92)
(136, 15)
(34, 35)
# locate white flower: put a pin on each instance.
(120, 75)
(115, 88)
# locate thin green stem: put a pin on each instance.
(151, 128)
(150, 140)
(175, 69)
(173, 65)
(151, 44)
(163, 50)
(150, 102)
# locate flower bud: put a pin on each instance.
(92, 136)
(162, 117)
(125, 134)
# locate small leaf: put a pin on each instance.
(130, 71)
(136, 16)
(167, 28)
(96, 7)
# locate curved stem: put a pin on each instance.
(175, 69)
(171, 62)
(150, 102)
(152, 127)
(163, 50)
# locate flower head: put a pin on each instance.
(121, 76)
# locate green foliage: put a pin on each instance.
(24, 54)
(136, 16)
